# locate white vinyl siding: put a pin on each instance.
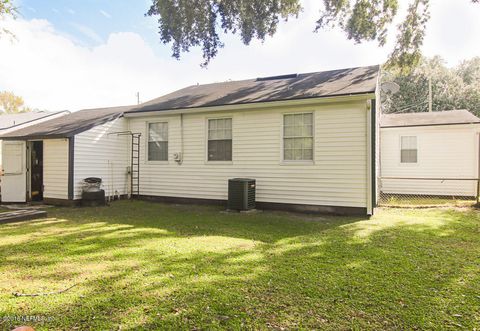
(102, 152)
(298, 137)
(337, 177)
(55, 168)
(158, 141)
(449, 151)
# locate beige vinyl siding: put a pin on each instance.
(336, 177)
(442, 152)
(55, 168)
(98, 153)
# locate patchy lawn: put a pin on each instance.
(140, 265)
(411, 201)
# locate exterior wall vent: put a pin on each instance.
(262, 79)
(241, 194)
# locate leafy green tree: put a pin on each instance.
(190, 23)
(452, 88)
(406, 53)
(470, 70)
(7, 9)
(11, 103)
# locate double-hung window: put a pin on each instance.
(298, 137)
(408, 149)
(158, 141)
(219, 139)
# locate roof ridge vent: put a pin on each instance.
(262, 79)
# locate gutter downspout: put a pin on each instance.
(374, 153)
(181, 140)
(71, 167)
(478, 171)
(369, 158)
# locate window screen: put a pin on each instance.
(220, 139)
(298, 137)
(408, 149)
(158, 141)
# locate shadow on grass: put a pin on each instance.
(148, 266)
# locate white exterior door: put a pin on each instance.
(14, 179)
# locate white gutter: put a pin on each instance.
(254, 105)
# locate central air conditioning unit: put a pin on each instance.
(241, 194)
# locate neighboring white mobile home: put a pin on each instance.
(433, 153)
(48, 161)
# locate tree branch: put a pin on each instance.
(17, 294)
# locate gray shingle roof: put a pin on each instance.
(68, 125)
(279, 88)
(289, 87)
(448, 117)
(8, 121)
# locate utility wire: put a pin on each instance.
(412, 105)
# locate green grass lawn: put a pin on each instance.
(140, 265)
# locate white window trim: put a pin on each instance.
(206, 139)
(282, 139)
(147, 124)
(407, 164)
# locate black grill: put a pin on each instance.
(241, 194)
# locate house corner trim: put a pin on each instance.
(71, 154)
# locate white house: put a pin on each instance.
(433, 153)
(48, 161)
(309, 141)
(12, 122)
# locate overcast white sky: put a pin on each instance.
(67, 58)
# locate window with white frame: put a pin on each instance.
(158, 141)
(298, 137)
(220, 139)
(408, 149)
